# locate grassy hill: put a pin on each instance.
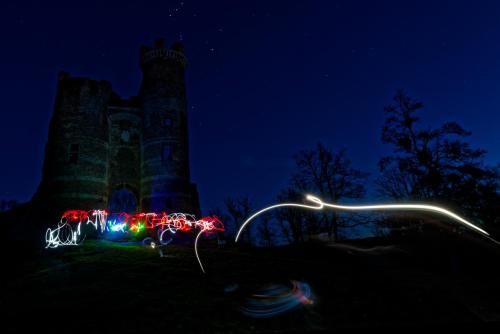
(103, 285)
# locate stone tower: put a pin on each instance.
(105, 152)
(165, 179)
(75, 170)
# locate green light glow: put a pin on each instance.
(138, 227)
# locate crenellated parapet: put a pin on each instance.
(159, 52)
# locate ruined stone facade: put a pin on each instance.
(105, 152)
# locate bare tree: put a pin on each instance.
(329, 175)
(266, 233)
(291, 220)
(436, 163)
(240, 209)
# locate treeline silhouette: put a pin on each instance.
(434, 165)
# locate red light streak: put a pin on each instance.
(69, 228)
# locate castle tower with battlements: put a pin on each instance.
(105, 152)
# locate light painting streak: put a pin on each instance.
(196, 250)
(68, 230)
(62, 235)
(114, 227)
(319, 205)
(101, 217)
(274, 300)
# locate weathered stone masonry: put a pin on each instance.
(100, 143)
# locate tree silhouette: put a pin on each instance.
(239, 209)
(435, 163)
(266, 232)
(327, 174)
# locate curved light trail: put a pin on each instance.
(196, 249)
(318, 204)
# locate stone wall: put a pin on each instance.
(99, 143)
(75, 171)
(125, 125)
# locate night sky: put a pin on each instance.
(264, 81)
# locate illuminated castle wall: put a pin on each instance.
(121, 154)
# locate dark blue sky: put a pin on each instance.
(265, 80)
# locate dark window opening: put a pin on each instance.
(73, 153)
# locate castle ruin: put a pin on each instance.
(105, 152)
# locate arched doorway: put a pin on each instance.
(123, 200)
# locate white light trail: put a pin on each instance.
(318, 204)
(100, 219)
(62, 235)
(196, 249)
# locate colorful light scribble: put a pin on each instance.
(116, 227)
(318, 204)
(69, 229)
(138, 227)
